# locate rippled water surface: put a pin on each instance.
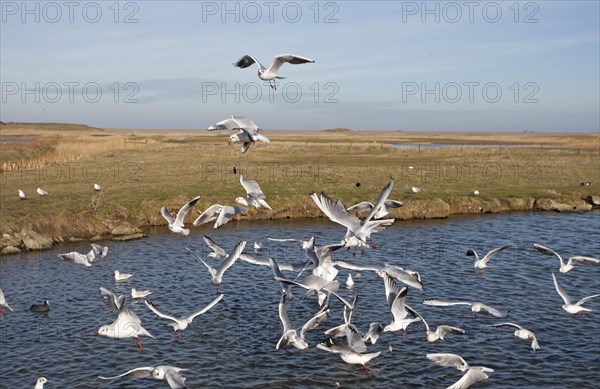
(233, 345)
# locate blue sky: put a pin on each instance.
(407, 65)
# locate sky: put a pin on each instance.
(379, 65)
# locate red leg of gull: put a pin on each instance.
(366, 370)
(138, 343)
(362, 251)
(2, 312)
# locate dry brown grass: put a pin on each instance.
(170, 167)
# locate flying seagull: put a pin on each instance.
(473, 373)
(248, 137)
(395, 298)
(522, 333)
(220, 213)
(176, 225)
(290, 334)
(217, 251)
(482, 263)
(440, 331)
(367, 206)
(567, 306)
(171, 374)
(182, 323)
(475, 307)
(572, 261)
(254, 195)
(271, 73)
(217, 273)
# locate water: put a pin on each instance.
(233, 345)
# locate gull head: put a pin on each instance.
(234, 138)
(42, 380)
(103, 331)
(243, 201)
(158, 373)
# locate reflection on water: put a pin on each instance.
(233, 345)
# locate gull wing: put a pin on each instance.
(492, 311)
(546, 250)
(392, 292)
(336, 212)
(183, 211)
(561, 291)
(226, 214)
(165, 213)
(583, 300)
(363, 206)
(140, 372)
(444, 329)
(206, 308)
(417, 314)
(449, 360)
(289, 58)
(112, 302)
(244, 122)
(410, 278)
(583, 260)
(382, 197)
(230, 260)
(210, 214)
(283, 315)
(158, 313)
(393, 203)
(495, 251)
(470, 377)
(508, 325)
(175, 379)
(218, 250)
(314, 322)
(211, 269)
(258, 136)
(254, 259)
(247, 61)
(440, 303)
(100, 250)
(353, 266)
(252, 188)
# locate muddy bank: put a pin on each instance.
(44, 235)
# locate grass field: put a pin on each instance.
(143, 170)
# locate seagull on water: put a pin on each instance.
(367, 206)
(571, 262)
(290, 334)
(39, 384)
(271, 73)
(522, 333)
(473, 373)
(349, 281)
(22, 195)
(358, 230)
(183, 322)
(79, 258)
(567, 306)
(41, 192)
(127, 324)
(482, 263)
(220, 213)
(3, 303)
(171, 374)
(140, 294)
(475, 307)
(176, 225)
(352, 351)
(45, 307)
(122, 276)
(216, 274)
(254, 195)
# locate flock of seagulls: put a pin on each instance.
(42, 192)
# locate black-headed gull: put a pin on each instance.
(127, 324)
(247, 138)
(349, 281)
(171, 374)
(3, 303)
(254, 195)
(102, 251)
(473, 373)
(216, 274)
(39, 384)
(220, 213)
(286, 289)
(290, 334)
(22, 195)
(440, 331)
(567, 306)
(122, 276)
(572, 261)
(41, 192)
(395, 298)
(522, 333)
(271, 73)
(482, 263)
(217, 251)
(358, 230)
(315, 284)
(351, 351)
(367, 206)
(476, 307)
(183, 322)
(140, 294)
(176, 225)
